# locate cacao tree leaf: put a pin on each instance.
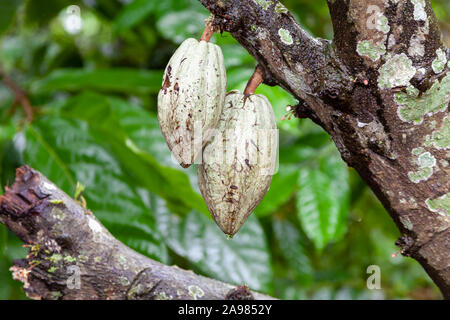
(283, 185)
(133, 13)
(323, 200)
(36, 12)
(8, 10)
(67, 151)
(113, 80)
(282, 99)
(136, 11)
(292, 247)
(13, 249)
(178, 26)
(142, 128)
(243, 259)
(237, 77)
(286, 289)
(169, 183)
(236, 55)
(10, 158)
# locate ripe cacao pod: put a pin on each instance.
(239, 161)
(191, 98)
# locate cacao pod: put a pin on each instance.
(239, 161)
(191, 98)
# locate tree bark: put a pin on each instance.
(72, 255)
(381, 89)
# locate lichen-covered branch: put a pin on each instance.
(381, 89)
(72, 255)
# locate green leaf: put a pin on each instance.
(244, 259)
(114, 80)
(323, 200)
(3, 239)
(133, 13)
(67, 151)
(142, 127)
(8, 10)
(283, 185)
(280, 99)
(13, 249)
(178, 26)
(170, 184)
(292, 247)
(235, 55)
(36, 12)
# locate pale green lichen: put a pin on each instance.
(195, 292)
(440, 205)
(413, 107)
(135, 291)
(383, 24)
(55, 295)
(279, 8)
(123, 262)
(55, 258)
(163, 296)
(124, 281)
(83, 258)
(396, 72)
(69, 259)
(263, 3)
(419, 10)
(285, 36)
(406, 222)
(441, 138)
(426, 162)
(372, 50)
(55, 201)
(52, 269)
(417, 151)
(416, 45)
(58, 214)
(97, 259)
(439, 63)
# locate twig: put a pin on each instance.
(207, 32)
(19, 96)
(256, 79)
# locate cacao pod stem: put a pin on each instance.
(207, 32)
(255, 80)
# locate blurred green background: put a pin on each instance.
(93, 83)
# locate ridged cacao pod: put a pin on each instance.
(191, 98)
(239, 161)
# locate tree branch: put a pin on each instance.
(66, 242)
(381, 89)
(291, 57)
(19, 96)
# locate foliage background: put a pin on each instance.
(94, 93)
